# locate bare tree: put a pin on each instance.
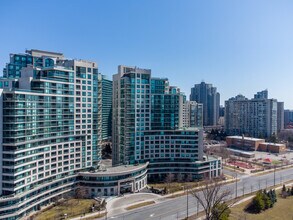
(211, 197)
(225, 153)
(80, 192)
(180, 178)
(169, 179)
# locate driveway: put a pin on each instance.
(117, 205)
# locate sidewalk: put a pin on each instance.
(88, 215)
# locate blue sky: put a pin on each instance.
(239, 46)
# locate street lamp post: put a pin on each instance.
(274, 175)
(187, 203)
(235, 178)
(185, 188)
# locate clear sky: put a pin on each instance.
(238, 46)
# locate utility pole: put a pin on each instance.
(197, 207)
(106, 217)
(187, 203)
(274, 175)
(235, 179)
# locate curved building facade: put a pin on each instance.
(114, 180)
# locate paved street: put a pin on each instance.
(176, 208)
(118, 205)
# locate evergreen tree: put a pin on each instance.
(284, 192)
(288, 192)
(221, 212)
(284, 188)
(275, 196)
(270, 195)
(266, 200)
(257, 203)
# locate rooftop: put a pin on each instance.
(117, 170)
(241, 151)
(246, 138)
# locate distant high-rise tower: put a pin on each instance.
(280, 116)
(107, 87)
(261, 95)
(288, 117)
(192, 114)
(207, 95)
(257, 117)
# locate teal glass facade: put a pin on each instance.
(50, 127)
(146, 118)
(107, 93)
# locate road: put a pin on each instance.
(176, 208)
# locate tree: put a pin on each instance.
(257, 204)
(274, 196)
(221, 212)
(107, 151)
(288, 192)
(225, 153)
(211, 198)
(169, 179)
(271, 195)
(180, 178)
(80, 193)
(284, 192)
(273, 138)
(266, 200)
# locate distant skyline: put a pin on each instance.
(241, 47)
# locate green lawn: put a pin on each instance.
(72, 207)
(283, 209)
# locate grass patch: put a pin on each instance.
(282, 209)
(71, 207)
(232, 168)
(175, 186)
(140, 205)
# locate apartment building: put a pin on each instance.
(257, 117)
(147, 114)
